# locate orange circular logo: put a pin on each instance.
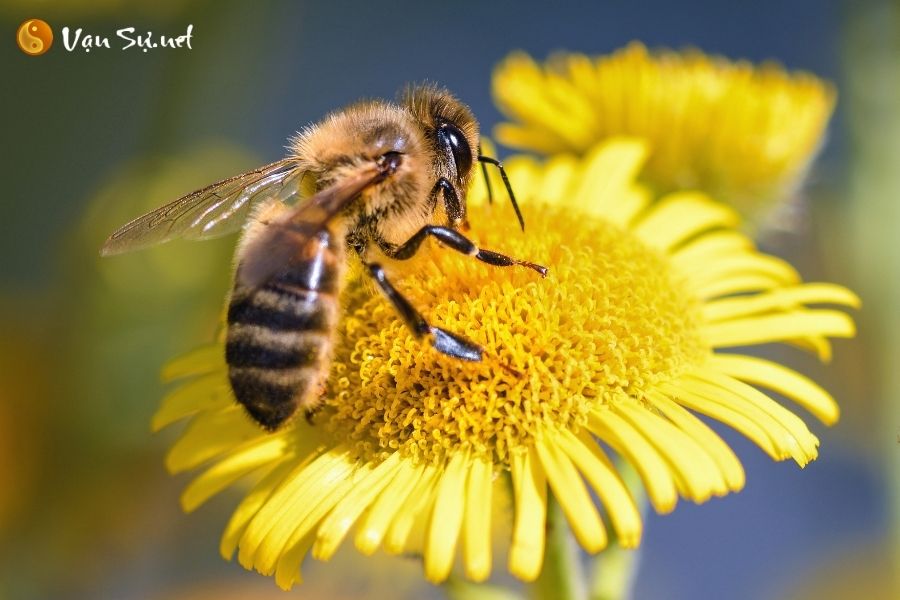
(34, 37)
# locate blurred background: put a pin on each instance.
(93, 139)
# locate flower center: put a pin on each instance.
(609, 319)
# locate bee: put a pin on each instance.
(374, 178)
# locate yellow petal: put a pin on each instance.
(778, 327)
(711, 246)
(786, 382)
(791, 422)
(696, 470)
(628, 442)
(375, 523)
(265, 451)
(250, 505)
(209, 435)
(742, 264)
(817, 344)
(779, 300)
(569, 491)
(721, 453)
(786, 443)
(603, 477)
(680, 216)
(605, 187)
(316, 504)
(207, 359)
(287, 571)
(446, 519)
(418, 502)
(266, 535)
(705, 400)
(555, 186)
(736, 284)
(209, 392)
(526, 553)
(477, 520)
(334, 527)
(516, 135)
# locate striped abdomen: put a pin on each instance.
(280, 335)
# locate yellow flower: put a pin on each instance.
(744, 134)
(620, 343)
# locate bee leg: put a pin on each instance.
(452, 205)
(442, 340)
(460, 243)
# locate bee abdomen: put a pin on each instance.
(278, 348)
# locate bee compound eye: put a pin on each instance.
(450, 137)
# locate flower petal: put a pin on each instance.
(389, 503)
(477, 520)
(250, 505)
(779, 327)
(568, 489)
(526, 553)
(634, 447)
(680, 216)
(266, 535)
(207, 392)
(704, 399)
(721, 453)
(710, 246)
(789, 420)
(783, 299)
(742, 264)
(697, 473)
(446, 519)
(334, 527)
(317, 504)
(208, 359)
(736, 284)
(786, 382)
(209, 435)
(418, 502)
(601, 474)
(244, 460)
(605, 186)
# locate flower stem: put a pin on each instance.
(615, 567)
(561, 577)
(460, 589)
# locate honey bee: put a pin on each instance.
(380, 177)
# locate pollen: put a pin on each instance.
(609, 320)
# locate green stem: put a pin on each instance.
(615, 567)
(561, 577)
(460, 589)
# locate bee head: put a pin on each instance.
(451, 131)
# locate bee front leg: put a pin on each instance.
(460, 243)
(441, 340)
(452, 206)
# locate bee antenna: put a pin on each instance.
(487, 180)
(512, 197)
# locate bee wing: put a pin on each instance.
(284, 239)
(215, 210)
